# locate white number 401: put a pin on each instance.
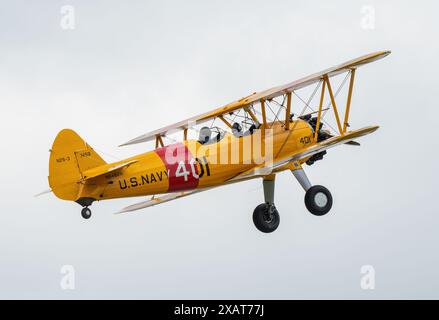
(183, 172)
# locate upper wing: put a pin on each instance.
(319, 147)
(264, 95)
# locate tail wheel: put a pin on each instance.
(318, 200)
(86, 213)
(266, 218)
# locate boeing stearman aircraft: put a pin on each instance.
(257, 136)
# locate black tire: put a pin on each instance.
(86, 213)
(318, 200)
(266, 219)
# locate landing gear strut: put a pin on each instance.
(318, 199)
(265, 216)
(86, 213)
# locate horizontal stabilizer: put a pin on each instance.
(43, 193)
(105, 169)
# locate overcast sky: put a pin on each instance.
(130, 67)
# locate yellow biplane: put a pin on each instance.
(257, 136)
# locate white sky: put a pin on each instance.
(130, 68)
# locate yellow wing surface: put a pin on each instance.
(317, 148)
(158, 200)
(264, 95)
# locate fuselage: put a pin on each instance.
(191, 165)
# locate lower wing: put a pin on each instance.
(260, 170)
(158, 200)
(264, 170)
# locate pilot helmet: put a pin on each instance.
(236, 126)
(205, 134)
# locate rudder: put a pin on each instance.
(69, 157)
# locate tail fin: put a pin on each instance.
(69, 157)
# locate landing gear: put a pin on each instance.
(318, 200)
(265, 216)
(86, 213)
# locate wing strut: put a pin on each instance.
(288, 112)
(348, 104)
(334, 106)
(225, 121)
(319, 116)
(159, 141)
(252, 115)
(326, 83)
(264, 116)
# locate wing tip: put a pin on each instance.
(386, 53)
(135, 141)
(382, 54)
(124, 210)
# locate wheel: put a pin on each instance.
(318, 200)
(266, 218)
(86, 213)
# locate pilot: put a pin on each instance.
(237, 130)
(204, 136)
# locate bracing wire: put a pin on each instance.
(107, 154)
(337, 92)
